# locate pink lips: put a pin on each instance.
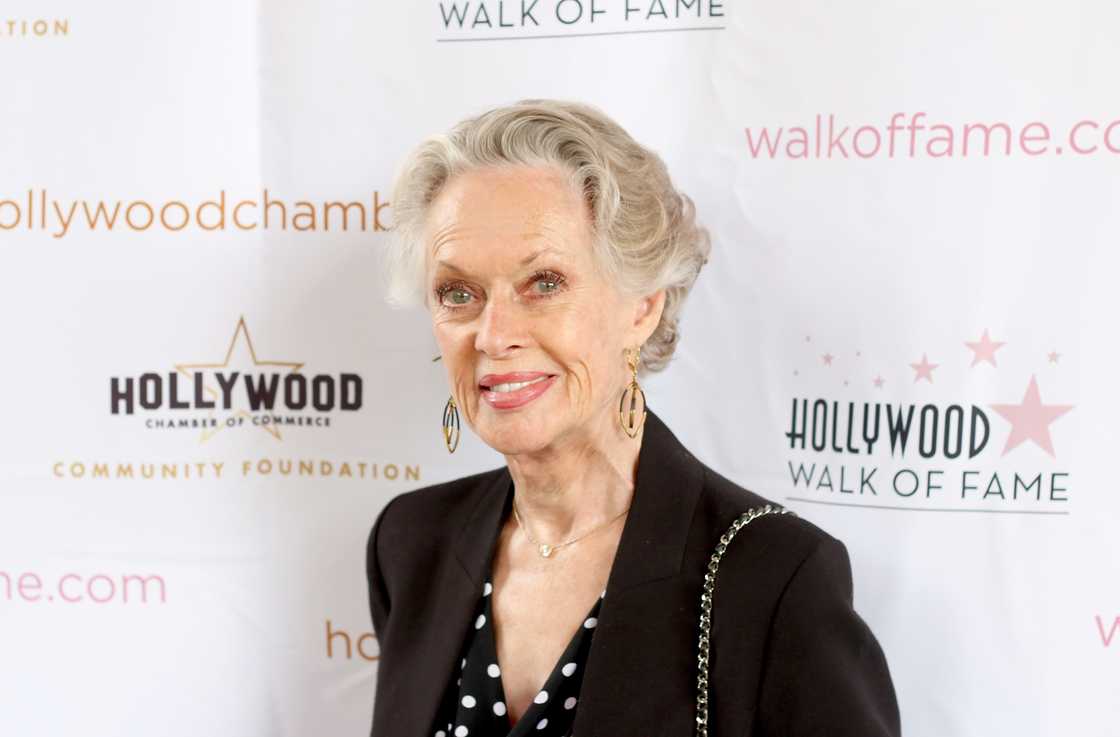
(519, 398)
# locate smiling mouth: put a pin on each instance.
(512, 395)
(512, 386)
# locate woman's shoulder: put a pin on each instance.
(425, 510)
(785, 536)
(821, 662)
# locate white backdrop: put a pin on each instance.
(946, 253)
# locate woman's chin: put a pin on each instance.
(510, 434)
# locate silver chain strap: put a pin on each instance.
(706, 608)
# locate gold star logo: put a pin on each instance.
(240, 337)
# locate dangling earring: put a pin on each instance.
(626, 418)
(451, 425)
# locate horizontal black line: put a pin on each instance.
(576, 35)
(924, 509)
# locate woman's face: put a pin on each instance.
(515, 295)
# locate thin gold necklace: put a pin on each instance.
(544, 549)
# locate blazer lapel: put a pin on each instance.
(456, 591)
(642, 658)
(629, 651)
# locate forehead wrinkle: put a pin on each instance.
(534, 219)
(445, 234)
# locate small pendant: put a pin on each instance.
(545, 550)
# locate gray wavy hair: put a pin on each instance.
(646, 234)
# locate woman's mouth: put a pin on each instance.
(509, 391)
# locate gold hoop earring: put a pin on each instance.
(626, 418)
(451, 429)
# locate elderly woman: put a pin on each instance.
(561, 593)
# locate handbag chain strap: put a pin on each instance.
(706, 608)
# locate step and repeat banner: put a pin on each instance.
(906, 332)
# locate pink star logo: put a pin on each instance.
(827, 358)
(878, 382)
(924, 369)
(1030, 419)
(984, 349)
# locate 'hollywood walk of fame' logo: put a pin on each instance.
(923, 450)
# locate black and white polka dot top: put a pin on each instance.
(474, 704)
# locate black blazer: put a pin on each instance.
(789, 655)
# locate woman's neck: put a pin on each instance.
(578, 482)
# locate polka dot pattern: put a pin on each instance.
(475, 702)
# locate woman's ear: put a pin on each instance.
(647, 315)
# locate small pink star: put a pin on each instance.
(827, 358)
(924, 369)
(1053, 356)
(1030, 419)
(878, 382)
(984, 349)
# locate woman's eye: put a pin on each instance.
(551, 281)
(545, 285)
(455, 294)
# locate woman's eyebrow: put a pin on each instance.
(534, 255)
(442, 265)
(537, 254)
(449, 266)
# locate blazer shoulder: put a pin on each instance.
(411, 528)
(428, 510)
(792, 534)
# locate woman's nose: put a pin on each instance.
(501, 326)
